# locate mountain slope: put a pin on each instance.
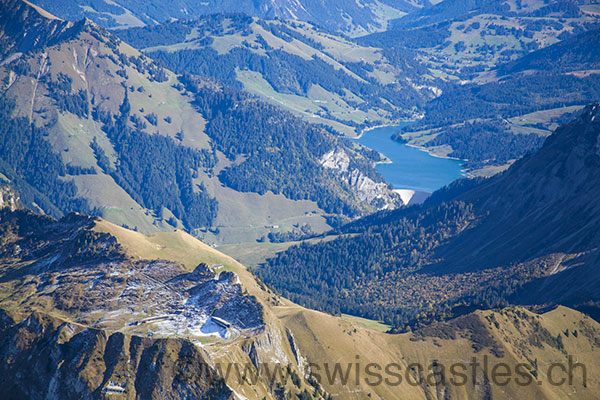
(116, 134)
(320, 76)
(105, 285)
(464, 37)
(506, 111)
(351, 17)
(528, 235)
(95, 294)
(46, 321)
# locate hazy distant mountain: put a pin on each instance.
(351, 17)
(464, 37)
(530, 235)
(492, 111)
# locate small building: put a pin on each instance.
(221, 322)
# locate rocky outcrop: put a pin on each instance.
(46, 357)
(376, 194)
(132, 328)
(336, 159)
(9, 198)
(85, 274)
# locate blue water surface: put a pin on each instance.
(410, 168)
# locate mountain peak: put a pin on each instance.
(26, 27)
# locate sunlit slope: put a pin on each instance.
(95, 278)
(510, 336)
(320, 76)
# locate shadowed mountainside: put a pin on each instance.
(527, 235)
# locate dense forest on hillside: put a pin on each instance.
(475, 244)
(178, 31)
(291, 74)
(576, 53)
(285, 72)
(482, 142)
(156, 171)
(62, 93)
(516, 95)
(386, 267)
(337, 276)
(485, 138)
(423, 37)
(279, 152)
(28, 160)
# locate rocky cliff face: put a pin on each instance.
(377, 194)
(9, 198)
(46, 357)
(95, 320)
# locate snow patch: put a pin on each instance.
(211, 328)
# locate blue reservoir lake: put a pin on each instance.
(410, 168)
